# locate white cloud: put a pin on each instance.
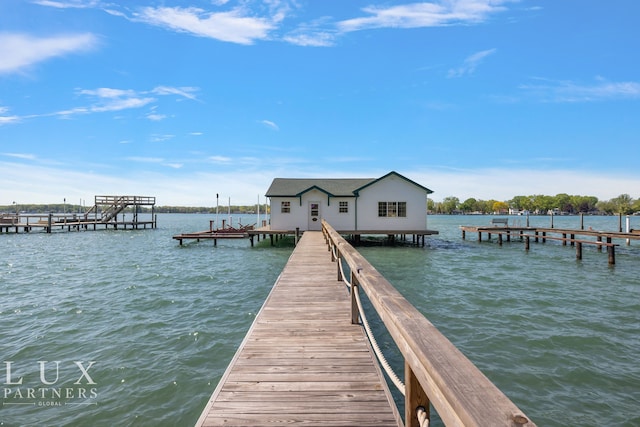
(20, 51)
(106, 92)
(232, 26)
(471, 63)
(314, 38)
(186, 92)
(155, 117)
(270, 124)
(145, 159)
(424, 14)
(80, 4)
(220, 159)
(569, 91)
(161, 137)
(6, 119)
(122, 104)
(128, 98)
(24, 156)
(108, 100)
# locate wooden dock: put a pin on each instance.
(303, 361)
(572, 237)
(226, 232)
(105, 213)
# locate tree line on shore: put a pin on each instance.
(539, 204)
(535, 204)
(71, 208)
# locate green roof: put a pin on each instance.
(336, 187)
(288, 187)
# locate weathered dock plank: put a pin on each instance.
(303, 362)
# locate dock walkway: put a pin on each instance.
(303, 361)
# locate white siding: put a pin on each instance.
(392, 189)
(340, 221)
(291, 220)
(299, 215)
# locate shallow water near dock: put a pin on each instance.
(127, 327)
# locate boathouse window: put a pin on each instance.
(392, 209)
(285, 207)
(344, 207)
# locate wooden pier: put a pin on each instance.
(303, 362)
(306, 359)
(103, 214)
(573, 237)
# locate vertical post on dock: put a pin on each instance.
(49, 221)
(599, 239)
(628, 230)
(612, 254)
(415, 398)
(620, 222)
(611, 251)
(578, 250)
(551, 220)
(526, 243)
(500, 239)
(338, 266)
(581, 221)
(354, 301)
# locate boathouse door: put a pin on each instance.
(314, 216)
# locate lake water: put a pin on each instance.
(128, 328)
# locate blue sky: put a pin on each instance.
(183, 99)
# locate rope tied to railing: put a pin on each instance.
(372, 339)
(423, 416)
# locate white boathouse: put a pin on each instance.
(391, 204)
